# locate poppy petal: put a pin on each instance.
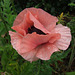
(54, 38)
(19, 30)
(45, 51)
(31, 41)
(33, 10)
(37, 24)
(22, 28)
(65, 39)
(20, 17)
(22, 22)
(30, 56)
(47, 20)
(16, 40)
(22, 14)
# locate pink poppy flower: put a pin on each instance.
(37, 36)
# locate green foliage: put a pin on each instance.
(7, 12)
(6, 15)
(70, 73)
(71, 25)
(61, 17)
(71, 4)
(53, 7)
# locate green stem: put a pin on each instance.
(72, 55)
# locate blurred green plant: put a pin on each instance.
(70, 73)
(71, 4)
(6, 19)
(71, 25)
(53, 7)
(61, 17)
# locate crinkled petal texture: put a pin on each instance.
(30, 56)
(34, 16)
(38, 46)
(31, 41)
(64, 42)
(16, 40)
(45, 51)
(31, 44)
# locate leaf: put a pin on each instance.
(1, 48)
(61, 15)
(59, 56)
(70, 73)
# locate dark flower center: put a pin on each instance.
(33, 29)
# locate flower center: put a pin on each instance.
(33, 29)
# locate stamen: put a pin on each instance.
(33, 29)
